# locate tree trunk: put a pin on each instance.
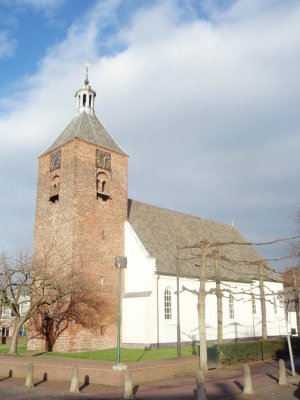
(13, 348)
(296, 300)
(262, 303)
(201, 309)
(219, 299)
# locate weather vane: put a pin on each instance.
(87, 64)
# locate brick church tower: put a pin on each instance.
(81, 208)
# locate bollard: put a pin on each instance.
(74, 388)
(29, 376)
(201, 391)
(248, 389)
(282, 375)
(128, 387)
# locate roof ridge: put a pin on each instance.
(185, 214)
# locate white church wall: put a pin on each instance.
(292, 321)
(143, 310)
(244, 322)
(140, 266)
(139, 301)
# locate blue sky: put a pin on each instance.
(204, 95)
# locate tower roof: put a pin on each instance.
(87, 127)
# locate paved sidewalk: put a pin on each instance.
(220, 384)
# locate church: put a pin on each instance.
(85, 220)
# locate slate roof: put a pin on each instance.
(161, 230)
(87, 127)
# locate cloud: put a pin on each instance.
(207, 108)
(7, 45)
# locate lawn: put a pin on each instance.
(127, 355)
(22, 346)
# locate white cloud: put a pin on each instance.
(208, 110)
(7, 45)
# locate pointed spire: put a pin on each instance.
(86, 82)
(85, 96)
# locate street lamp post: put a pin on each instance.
(120, 263)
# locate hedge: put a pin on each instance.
(232, 353)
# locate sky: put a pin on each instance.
(203, 95)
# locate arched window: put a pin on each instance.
(90, 100)
(102, 183)
(102, 186)
(168, 304)
(253, 304)
(231, 307)
(54, 189)
(84, 99)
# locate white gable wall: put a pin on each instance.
(139, 310)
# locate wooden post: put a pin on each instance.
(201, 391)
(248, 389)
(282, 375)
(74, 388)
(219, 297)
(262, 302)
(128, 386)
(29, 376)
(201, 307)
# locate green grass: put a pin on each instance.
(22, 346)
(127, 355)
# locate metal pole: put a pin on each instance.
(118, 324)
(289, 342)
(178, 308)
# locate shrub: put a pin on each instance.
(232, 353)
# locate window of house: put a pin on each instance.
(253, 304)
(168, 304)
(231, 307)
(275, 304)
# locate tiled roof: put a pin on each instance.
(87, 127)
(161, 230)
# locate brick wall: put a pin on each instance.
(81, 234)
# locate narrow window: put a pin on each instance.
(275, 304)
(54, 190)
(84, 99)
(102, 330)
(90, 100)
(231, 307)
(253, 304)
(102, 185)
(168, 304)
(101, 280)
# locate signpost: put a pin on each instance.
(120, 263)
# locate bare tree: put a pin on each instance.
(291, 278)
(30, 291)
